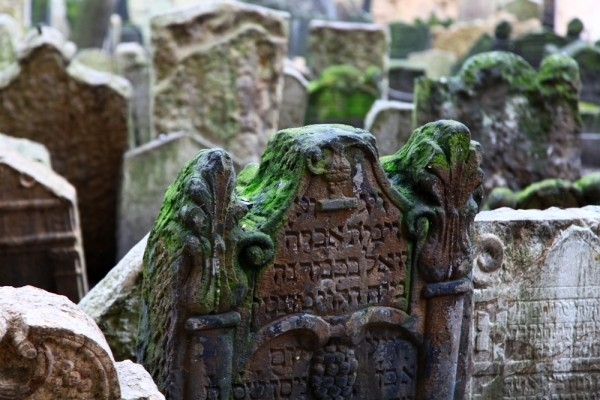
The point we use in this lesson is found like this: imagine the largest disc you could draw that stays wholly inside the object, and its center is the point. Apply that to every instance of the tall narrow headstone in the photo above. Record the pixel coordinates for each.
(361, 45)
(81, 116)
(321, 274)
(535, 319)
(218, 70)
(391, 124)
(40, 243)
(527, 121)
(294, 99)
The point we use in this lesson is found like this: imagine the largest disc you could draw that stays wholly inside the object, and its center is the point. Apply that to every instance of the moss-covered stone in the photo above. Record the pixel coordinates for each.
(527, 121)
(500, 197)
(589, 185)
(549, 193)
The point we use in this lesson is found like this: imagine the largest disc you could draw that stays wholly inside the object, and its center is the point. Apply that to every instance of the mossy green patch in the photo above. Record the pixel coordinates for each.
(549, 193)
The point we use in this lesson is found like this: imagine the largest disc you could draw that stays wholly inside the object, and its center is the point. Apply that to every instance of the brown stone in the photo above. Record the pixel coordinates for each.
(80, 115)
(40, 236)
(51, 350)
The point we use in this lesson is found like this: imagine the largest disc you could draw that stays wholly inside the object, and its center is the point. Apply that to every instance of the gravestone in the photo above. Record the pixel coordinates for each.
(535, 318)
(16, 9)
(51, 350)
(218, 70)
(133, 63)
(40, 243)
(402, 75)
(391, 124)
(523, 9)
(527, 122)
(96, 59)
(588, 59)
(27, 148)
(361, 45)
(9, 32)
(81, 117)
(319, 274)
(532, 47)
(294, 99)
(435, 62)
(147, 172)
(408, 38)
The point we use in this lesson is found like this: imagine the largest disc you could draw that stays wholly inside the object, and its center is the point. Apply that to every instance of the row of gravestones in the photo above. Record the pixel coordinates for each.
(216, 83)
(306, 256)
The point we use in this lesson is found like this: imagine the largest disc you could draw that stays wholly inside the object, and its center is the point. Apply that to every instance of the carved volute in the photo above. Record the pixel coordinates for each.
(301, 282)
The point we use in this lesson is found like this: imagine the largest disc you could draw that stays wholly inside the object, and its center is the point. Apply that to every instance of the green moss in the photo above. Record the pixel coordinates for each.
(559, 76)
(479, 69)
(500, 197)
(549, 193)
(589, 185)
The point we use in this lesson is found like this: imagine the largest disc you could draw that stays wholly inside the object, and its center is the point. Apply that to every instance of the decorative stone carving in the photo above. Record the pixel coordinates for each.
(321, 273)
(40, 235)
(219, 74)
(81, 116)
(51, 350)
(536, 327)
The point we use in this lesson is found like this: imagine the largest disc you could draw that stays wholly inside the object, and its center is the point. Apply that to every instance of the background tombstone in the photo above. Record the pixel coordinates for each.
(147, 172)
(16, 9)
(57, 350)
(588, 59)
(9, 33)
(294, 99)
(523, 9)
(527, 122)
(227, 91)
(535, 319)
(391, 123)
(435, 62)
(408, 38)
(532, 47)
(307, 259)
(81, 117)
(133, 63)
(40, 243)
(402, 76)
(361, 45)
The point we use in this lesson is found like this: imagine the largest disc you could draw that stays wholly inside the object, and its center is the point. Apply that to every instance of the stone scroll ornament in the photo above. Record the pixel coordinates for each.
(321, 273)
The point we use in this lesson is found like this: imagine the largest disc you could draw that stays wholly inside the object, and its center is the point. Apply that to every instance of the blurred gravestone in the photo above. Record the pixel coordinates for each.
(535, 304)
(16, 9)
(294, 99)
(532, 47)
(41, 239)
(134, 65)
(527, 122)
(402, 75)
(9, 34)
(391, 124)
(435, 62)
(218, 69)
(588, 59)
(308, 258)
(81, 116)
(408, 38)
(523, 9)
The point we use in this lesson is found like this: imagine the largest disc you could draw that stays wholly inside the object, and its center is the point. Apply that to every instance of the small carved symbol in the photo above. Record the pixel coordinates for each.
(491, 253)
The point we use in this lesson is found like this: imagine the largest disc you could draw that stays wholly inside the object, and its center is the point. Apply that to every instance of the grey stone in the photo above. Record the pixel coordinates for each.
(535, 328)
(40, 243)
(391, 123)
(114, 303)
(136, 382)
(294, 100)
(219, 74)
(51, 349)
(28, 148)
(81, 116)
(590, 150)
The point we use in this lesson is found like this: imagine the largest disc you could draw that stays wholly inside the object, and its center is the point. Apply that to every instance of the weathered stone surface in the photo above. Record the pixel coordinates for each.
(114, 303)
(136, 382)
(219, 74)
(360, 45)
(527, 122)
(28, 148)
(535, 324)
(9, 34)
(391, 123)
(80, 115)
(97, 59)
(147, 173)
(590, 143)
(51, 350)
(294, 99)
(40, 238)
(16, 9)
(320, 273)
(133, 63)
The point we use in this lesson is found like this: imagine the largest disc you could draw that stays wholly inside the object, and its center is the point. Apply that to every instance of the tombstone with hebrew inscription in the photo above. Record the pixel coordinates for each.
(322, 272)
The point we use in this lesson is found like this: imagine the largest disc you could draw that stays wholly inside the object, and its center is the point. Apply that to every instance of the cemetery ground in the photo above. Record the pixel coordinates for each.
(195, 215)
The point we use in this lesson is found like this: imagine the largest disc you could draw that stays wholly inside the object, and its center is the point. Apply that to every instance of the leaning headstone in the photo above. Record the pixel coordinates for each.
(51, 350)
(532, 47)
(321, 275)
(294, 99)
(408, 38)
(28, 148)
(81, 116)
(218, 70)
(535, 318)
(133, 63)
(391, 124)
(114, 303)
(360, 45)
(527, 122)
(40, 243)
